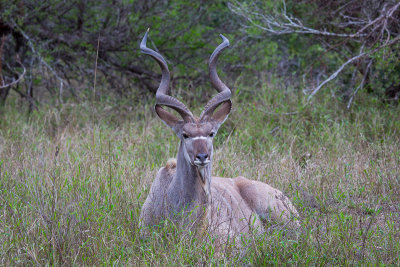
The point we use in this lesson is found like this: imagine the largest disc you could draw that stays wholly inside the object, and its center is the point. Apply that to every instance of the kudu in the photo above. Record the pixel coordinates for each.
(184, 189)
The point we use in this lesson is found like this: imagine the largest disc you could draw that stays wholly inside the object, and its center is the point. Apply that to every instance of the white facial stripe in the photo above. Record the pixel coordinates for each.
(199, 137)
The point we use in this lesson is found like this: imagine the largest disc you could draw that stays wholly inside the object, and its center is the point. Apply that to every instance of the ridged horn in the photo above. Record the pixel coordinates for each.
(162, 98)
(224, 93)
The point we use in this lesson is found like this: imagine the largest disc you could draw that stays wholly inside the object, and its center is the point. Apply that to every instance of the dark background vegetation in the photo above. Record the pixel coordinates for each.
(316, 88)
(300, 42)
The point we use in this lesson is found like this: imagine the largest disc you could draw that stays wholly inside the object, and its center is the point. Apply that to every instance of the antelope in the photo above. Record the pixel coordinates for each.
(185, 186)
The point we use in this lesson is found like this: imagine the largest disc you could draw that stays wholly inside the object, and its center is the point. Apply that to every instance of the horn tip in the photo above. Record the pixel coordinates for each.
(225, 40)
(144, 40)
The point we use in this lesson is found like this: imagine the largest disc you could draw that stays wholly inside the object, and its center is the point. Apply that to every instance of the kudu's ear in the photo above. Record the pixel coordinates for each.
(222, 112)
(170, 119)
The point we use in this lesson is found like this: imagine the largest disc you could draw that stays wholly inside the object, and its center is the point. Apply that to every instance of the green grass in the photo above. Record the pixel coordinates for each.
(73, 179)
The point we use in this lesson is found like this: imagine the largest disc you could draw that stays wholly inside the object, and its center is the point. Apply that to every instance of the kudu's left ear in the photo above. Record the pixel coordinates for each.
(222, 112)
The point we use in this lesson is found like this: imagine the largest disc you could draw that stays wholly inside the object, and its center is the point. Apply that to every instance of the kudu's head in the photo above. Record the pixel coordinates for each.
(196, 134)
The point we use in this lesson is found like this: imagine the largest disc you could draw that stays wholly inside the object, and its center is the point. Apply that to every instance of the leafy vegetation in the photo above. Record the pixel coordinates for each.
(304, 43)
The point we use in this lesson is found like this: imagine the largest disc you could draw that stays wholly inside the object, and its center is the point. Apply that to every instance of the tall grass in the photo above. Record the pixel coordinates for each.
(72, 181)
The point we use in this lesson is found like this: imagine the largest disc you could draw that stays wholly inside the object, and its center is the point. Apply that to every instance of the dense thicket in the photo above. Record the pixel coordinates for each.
(49, 48)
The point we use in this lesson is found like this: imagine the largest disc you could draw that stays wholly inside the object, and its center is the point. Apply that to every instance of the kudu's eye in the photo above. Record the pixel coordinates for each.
(185, 136)
(211, 134)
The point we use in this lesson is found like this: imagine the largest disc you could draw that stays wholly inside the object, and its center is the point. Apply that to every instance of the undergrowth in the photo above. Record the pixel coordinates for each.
(73, 179)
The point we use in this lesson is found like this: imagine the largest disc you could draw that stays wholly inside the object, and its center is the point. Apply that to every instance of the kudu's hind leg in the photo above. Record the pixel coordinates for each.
(268, 202)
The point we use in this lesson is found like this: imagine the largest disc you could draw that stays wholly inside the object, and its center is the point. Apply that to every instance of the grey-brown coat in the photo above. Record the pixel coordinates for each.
(185, 192)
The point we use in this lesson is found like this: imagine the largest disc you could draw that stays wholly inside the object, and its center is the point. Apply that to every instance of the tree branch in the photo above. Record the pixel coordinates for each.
(41, 60)
(17, 80)
(360, 55)
(361, 85)
(275, 25)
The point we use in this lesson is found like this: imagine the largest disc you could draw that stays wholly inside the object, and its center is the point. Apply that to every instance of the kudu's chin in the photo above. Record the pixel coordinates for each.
(202, 171)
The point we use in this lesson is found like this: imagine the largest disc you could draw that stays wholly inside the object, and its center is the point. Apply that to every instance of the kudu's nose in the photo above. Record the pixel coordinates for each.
(202, 157)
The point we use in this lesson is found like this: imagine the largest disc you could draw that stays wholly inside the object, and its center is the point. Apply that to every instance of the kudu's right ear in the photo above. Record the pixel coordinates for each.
(222, 112)
(168, 118)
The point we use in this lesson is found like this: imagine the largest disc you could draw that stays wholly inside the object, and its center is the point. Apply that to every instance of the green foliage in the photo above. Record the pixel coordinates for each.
(65, 35)
(386, 69)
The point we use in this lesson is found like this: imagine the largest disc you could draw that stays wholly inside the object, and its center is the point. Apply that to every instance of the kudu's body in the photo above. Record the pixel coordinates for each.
(185, 191)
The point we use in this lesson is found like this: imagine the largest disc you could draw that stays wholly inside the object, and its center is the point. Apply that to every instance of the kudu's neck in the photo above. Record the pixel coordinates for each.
(191, 185)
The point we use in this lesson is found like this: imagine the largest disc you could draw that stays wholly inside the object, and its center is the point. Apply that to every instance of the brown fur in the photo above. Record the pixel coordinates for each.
(185, 192)
(171, 165)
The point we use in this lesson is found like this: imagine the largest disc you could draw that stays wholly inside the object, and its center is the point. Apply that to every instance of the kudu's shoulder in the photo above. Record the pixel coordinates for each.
(171, 165)
(168, 171)
(165, 174)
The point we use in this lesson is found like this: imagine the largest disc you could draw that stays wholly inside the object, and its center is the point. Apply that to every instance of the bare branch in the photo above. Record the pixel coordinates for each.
(3, 40)
(333, 76)
(283, 23)
(361, 85)
(280, 24)
(373, 32)
(360, 55)
(17, 80)
(41, 60)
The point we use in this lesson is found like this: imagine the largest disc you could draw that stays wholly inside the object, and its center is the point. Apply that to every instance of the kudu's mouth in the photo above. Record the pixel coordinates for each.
(201, 164)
